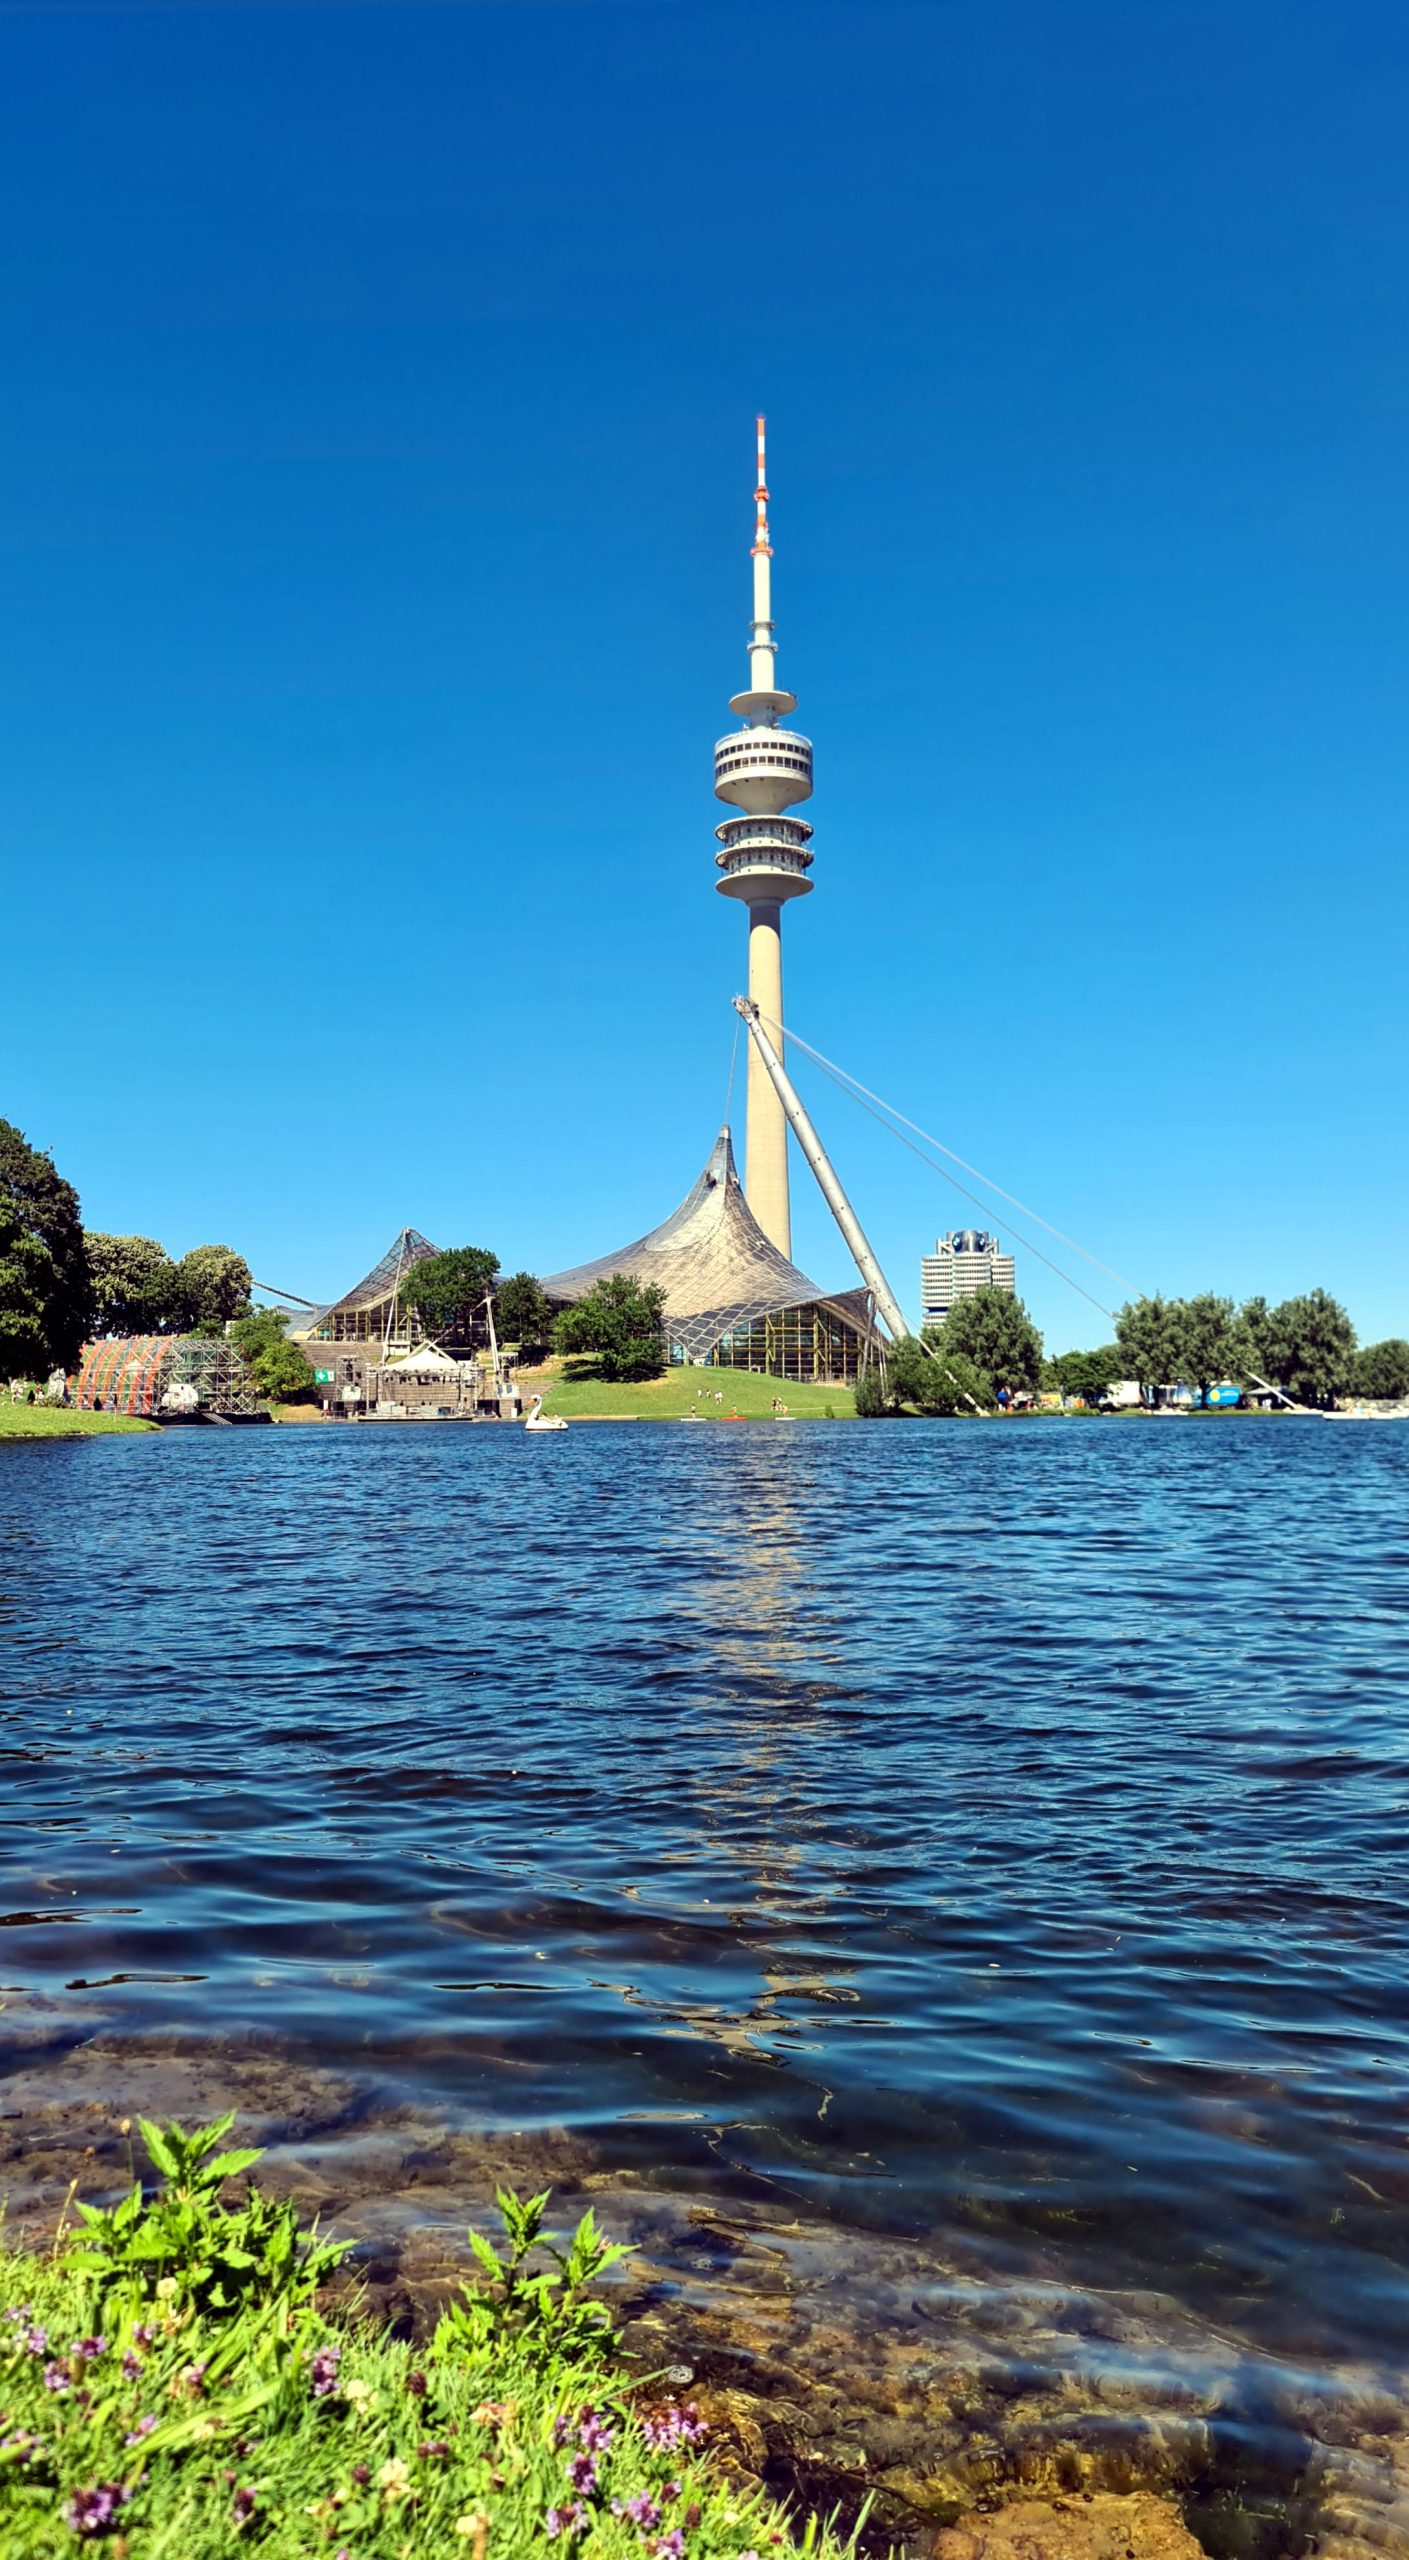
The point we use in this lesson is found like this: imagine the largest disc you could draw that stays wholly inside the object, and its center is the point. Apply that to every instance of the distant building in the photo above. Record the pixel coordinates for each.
(960, 1263)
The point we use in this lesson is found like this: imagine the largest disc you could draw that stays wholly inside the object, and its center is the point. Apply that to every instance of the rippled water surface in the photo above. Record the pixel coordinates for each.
(982, 1849)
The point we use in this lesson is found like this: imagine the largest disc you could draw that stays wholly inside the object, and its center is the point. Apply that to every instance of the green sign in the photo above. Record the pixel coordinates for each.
(322, 1377)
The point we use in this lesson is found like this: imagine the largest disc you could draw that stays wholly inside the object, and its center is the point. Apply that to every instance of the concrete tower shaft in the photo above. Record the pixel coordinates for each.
(764, 858)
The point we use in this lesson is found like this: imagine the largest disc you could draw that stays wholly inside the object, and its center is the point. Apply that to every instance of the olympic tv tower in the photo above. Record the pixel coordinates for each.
(763, 858)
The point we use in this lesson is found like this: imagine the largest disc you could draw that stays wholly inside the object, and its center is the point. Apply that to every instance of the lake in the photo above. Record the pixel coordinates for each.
(941, 1887)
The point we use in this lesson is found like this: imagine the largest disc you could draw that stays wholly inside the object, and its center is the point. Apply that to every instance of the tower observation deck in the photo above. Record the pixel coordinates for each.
(760, 771)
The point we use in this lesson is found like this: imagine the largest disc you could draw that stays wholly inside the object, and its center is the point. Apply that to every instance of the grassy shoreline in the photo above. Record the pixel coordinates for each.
(63, 1422)
(175, 2385)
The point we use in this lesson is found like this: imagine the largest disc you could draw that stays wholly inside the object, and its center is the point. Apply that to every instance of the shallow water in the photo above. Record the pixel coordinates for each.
(975, 1855)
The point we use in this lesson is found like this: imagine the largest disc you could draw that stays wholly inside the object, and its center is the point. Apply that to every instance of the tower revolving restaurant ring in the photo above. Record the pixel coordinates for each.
(763, 770)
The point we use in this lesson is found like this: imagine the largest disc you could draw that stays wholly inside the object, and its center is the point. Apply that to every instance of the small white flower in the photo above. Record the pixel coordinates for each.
(360, 2393)
(394, 2476)
(167, 2288)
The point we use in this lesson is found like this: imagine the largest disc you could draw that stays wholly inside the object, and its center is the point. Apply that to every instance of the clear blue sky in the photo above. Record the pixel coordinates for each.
(375, 465)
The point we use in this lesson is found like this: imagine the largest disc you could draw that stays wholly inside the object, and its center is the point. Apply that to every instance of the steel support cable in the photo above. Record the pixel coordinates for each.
(855, 1086)
(733, 1062)
(848, 1084)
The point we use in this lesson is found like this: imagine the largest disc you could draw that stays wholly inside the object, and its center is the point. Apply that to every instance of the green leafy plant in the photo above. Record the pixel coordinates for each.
(545, 2308)
(221, 2257)
(177, 2427)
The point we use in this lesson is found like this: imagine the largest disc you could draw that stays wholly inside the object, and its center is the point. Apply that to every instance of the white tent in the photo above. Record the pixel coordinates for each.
(428, 1362)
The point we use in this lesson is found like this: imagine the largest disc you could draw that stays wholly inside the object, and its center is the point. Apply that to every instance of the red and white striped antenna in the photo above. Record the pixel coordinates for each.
(760, 538)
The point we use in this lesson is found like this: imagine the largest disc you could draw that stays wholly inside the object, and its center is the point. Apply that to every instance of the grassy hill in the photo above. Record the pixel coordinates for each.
(681, 1392)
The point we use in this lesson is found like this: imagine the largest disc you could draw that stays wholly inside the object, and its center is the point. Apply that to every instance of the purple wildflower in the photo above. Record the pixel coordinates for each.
(89, 2349)
(582, 2474)
(193, 2375)
(24, 2446)
(242, 2506)
(672, 2489)
(562, 2429)
(566, 2520)
(593, 2433)
(642, 2509)
(416, 2385)
(131, 2365)
(669, 2546)
(37, 2341)
(361, 2474)
(436, 2451)
(92, 2510)
(144, 2334)
(57, 2377)
(663, 2429)
(323, 2372)
(143, 2427)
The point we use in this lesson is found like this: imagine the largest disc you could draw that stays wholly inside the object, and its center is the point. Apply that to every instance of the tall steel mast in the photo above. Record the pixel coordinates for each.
(887, 1305)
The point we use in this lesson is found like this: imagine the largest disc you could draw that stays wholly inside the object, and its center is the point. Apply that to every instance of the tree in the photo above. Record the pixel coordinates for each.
(134, 1284)
(44, 1280)
(447, 1285)
(622, 1323)
(1209, 1340)
(212, 1284)
(1087, 1374)
(995, 1331)
(1253, 1327)
(871, 1399)
(521, 1312)
(1149, 1336)
(1306, 1346)
(935, 1380)
(1382, 1369)
(278, 1367)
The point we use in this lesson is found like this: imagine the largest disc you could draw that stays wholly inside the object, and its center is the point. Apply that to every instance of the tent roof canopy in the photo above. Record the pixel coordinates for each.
(718, 1269)
(407, 1248)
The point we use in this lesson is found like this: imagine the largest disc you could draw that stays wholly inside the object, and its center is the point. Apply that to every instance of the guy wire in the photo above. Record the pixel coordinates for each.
(733, 1062)
(871, 1103)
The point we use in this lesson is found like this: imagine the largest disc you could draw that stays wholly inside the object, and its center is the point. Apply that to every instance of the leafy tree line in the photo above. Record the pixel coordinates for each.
(136, 1287)
(989, 1348)
(1305, 1346)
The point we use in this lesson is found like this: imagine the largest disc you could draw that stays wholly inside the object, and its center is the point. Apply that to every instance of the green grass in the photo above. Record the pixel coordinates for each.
(174, 2388)
(62, 1422)
(670, 1398)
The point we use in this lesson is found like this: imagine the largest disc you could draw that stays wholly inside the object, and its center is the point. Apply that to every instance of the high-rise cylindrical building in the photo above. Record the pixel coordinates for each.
(764, 858)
